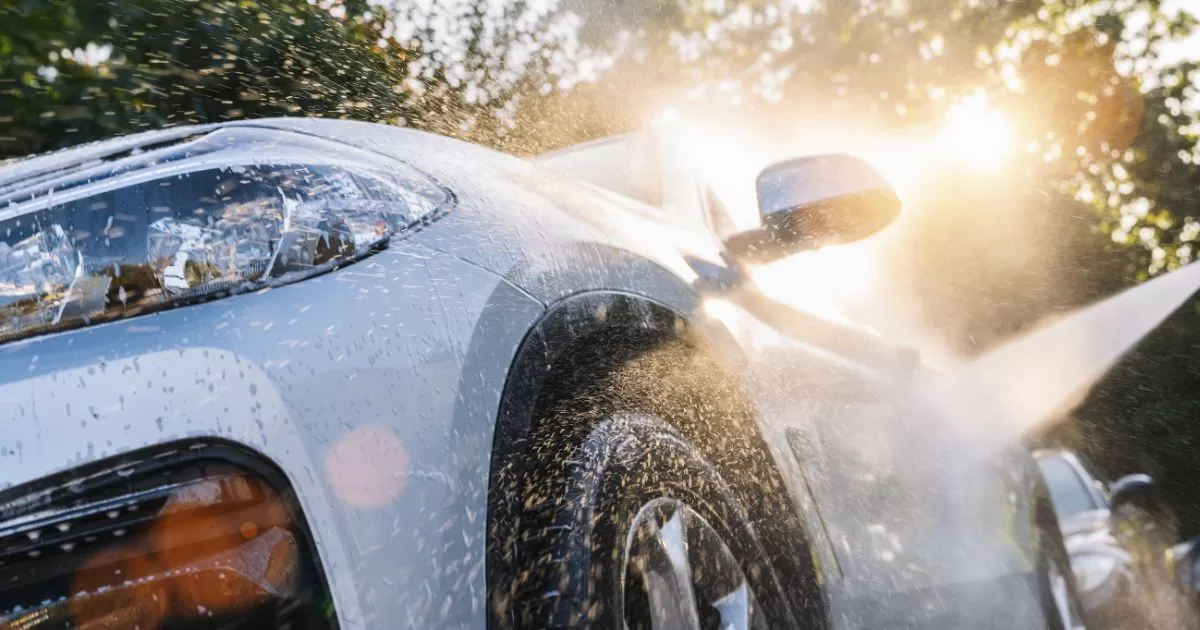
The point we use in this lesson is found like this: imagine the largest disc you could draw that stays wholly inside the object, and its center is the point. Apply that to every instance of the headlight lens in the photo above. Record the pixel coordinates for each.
(232, 210)
(1092, 570)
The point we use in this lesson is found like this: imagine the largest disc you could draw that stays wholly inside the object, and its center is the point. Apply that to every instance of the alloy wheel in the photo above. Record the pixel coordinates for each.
(681, 575)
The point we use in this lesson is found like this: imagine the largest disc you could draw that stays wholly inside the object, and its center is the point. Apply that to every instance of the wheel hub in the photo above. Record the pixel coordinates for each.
(680, 574)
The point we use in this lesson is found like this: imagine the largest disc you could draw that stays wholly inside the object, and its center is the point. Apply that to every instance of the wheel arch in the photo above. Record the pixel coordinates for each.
(594, 336)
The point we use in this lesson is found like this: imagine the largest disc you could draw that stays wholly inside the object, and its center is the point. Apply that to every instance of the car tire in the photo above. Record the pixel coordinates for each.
(1061, 605)
(624, 524)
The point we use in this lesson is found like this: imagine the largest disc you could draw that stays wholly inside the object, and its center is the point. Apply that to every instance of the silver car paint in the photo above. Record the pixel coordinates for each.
(409, 344)
(416, 342)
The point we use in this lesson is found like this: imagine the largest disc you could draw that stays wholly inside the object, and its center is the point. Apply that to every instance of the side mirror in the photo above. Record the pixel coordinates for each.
(810, 202)
(1134, 490)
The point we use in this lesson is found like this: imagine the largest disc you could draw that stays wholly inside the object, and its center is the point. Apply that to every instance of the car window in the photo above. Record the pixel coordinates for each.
(630, 165)
(1096, 477)
(1067, 490)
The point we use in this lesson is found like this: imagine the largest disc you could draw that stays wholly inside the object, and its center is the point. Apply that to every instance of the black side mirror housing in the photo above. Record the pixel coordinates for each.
(1136, 490)
(807, 203)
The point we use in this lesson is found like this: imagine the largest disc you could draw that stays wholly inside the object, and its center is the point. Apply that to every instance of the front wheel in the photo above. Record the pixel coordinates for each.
(629, 526)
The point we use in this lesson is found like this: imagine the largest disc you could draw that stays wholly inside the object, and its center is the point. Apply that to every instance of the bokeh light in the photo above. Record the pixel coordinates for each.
(367, 467)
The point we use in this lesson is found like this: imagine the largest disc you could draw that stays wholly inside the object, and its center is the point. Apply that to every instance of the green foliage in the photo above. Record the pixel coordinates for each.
(82, 70)
(78, 70)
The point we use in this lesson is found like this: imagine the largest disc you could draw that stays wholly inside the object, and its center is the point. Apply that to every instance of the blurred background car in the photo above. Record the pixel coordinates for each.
(1185, 558)
(1120, 540)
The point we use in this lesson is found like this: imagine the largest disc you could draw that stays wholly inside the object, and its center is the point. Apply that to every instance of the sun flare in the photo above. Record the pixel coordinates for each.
(975, 135)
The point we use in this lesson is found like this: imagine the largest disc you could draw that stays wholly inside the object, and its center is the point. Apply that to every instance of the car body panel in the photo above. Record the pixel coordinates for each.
(402, 356)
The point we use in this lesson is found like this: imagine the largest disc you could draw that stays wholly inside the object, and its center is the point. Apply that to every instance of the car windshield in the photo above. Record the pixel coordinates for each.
(630, 165)
(1067, 490)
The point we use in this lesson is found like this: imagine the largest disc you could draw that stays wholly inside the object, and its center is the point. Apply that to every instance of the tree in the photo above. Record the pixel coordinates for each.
(480, 62)
(78, 70)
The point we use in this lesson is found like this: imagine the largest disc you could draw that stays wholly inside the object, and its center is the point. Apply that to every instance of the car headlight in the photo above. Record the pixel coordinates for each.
(1092, 570)
(220, 212)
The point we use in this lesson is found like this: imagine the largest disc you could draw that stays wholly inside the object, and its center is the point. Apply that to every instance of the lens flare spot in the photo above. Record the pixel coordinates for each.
(367, 467)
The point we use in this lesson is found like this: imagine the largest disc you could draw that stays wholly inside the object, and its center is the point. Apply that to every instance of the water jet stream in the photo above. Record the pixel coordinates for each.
(1032, 379)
